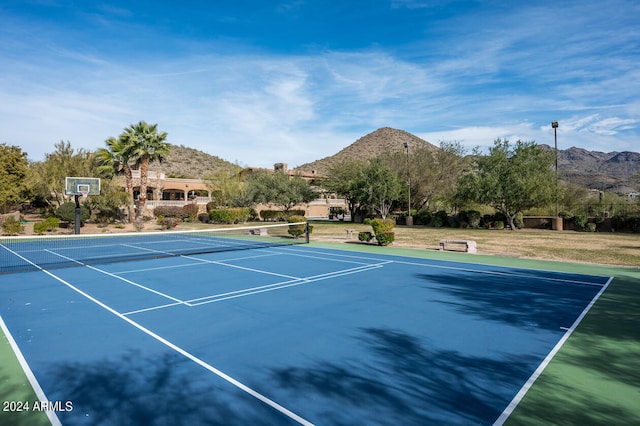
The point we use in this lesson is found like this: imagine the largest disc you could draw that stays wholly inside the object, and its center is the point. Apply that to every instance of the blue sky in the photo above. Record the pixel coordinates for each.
(259, 82)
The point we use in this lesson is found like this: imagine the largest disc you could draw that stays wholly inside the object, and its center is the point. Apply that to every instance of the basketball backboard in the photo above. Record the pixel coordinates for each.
(82, 186)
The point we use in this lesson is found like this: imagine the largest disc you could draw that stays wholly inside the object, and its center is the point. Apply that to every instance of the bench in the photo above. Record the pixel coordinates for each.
(470, 246)
(258, 231)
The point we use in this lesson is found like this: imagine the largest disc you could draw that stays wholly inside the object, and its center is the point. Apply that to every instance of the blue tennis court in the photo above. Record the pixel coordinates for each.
(288, 335)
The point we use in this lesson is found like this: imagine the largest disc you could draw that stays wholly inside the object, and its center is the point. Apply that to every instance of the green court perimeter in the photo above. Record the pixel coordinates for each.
(593, 379)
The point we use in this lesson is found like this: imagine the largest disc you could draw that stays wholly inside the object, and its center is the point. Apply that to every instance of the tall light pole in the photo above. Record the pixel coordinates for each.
(554, 124)
(409, 217)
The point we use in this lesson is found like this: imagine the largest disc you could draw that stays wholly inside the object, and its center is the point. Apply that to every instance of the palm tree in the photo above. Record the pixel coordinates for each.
(116, 161)
(146, 145)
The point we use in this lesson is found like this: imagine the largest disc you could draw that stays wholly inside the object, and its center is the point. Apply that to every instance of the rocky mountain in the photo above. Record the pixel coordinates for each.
(381, 141)
(610, 171)
(189, 163)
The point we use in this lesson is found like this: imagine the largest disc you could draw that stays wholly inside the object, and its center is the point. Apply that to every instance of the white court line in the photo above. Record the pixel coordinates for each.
(457, 268)
(325, 258)
(198, 263)
(177, 349)
(153, 308)
(120, 278)
(277, 286)
(525, 388)
(244, 268)
(222, 263)
(42, 397)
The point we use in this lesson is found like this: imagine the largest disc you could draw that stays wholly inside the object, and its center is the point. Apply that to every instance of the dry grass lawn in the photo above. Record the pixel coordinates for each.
(569, 246)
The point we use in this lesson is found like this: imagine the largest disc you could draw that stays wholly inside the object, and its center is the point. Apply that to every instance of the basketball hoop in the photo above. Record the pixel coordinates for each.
(81, 187)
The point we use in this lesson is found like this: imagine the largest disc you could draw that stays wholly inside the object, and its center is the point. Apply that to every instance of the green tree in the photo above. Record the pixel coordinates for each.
(434, 171)
(343, 181)
(228, 189)
(46, 179)
(13, 172)
(511, 179)
(145, 145)
(264, 187)
(378, 187)
(115, 160)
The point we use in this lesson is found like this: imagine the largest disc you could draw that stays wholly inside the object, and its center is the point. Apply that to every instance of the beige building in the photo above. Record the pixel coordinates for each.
(164, 191)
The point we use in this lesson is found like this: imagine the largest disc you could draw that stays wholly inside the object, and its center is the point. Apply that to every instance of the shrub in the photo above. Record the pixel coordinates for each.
(591, 227)
(167, 222)
(296, 230)
(47, 225)
(498, 224)
(626, 223)
(106, 215)
(518, 221)
(441, 218)
(487, 220)
(67, 212)
(169, 211)
(385, 238)
(272, 215)
(365, 236)
(190, 212)
(229, 216)
(423, 217)
(203, 217)
(580, 221)
(382, 228)
(11, 226)
(474, 217)
(382, 225)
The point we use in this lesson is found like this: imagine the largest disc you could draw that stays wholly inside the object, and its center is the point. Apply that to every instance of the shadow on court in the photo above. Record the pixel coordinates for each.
(163, 391)
(595, 379)
(398, 380)
(514, 300)
(14, 392)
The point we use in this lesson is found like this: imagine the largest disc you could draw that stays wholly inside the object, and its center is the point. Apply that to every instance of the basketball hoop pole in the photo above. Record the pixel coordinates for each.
(77, 221)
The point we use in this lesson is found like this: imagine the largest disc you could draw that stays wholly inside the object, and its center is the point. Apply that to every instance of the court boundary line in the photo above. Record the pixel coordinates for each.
(179, 350)
(150, 290)
(188, 355)
(545, 362)
(466, 269)
(192, 303)
(35, 385)
(285, 284)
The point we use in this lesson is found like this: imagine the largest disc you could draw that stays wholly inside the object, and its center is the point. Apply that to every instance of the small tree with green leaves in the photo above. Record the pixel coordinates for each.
(377, 187)
(279, 188)
(383, 230)
(511, 179)
(13, 171)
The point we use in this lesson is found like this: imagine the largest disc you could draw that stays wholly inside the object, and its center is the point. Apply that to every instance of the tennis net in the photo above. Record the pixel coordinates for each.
(20, 254)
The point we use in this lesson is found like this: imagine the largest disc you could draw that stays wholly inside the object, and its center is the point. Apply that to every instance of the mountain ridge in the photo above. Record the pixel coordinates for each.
(617, 171)
(369, 146)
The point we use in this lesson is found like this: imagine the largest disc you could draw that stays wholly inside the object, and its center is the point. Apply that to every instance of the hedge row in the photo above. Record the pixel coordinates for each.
(279, 215)
(229, 216)
(188, 212)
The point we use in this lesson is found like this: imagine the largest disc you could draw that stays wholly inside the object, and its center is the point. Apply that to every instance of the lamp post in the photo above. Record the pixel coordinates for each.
(554, 125)
(409, 217)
